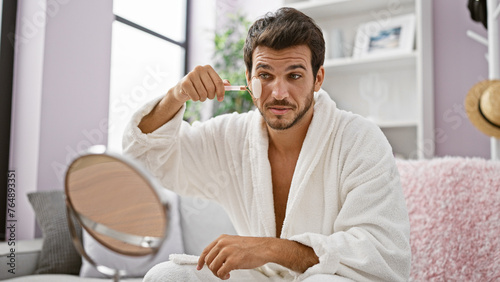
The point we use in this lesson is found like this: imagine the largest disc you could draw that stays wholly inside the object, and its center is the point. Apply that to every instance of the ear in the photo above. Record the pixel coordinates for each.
(320, 76)
(246, 77)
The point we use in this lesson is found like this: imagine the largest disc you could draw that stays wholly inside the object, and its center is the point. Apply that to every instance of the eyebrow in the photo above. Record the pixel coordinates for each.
(263, 66)
(289, 68)
(297, 66)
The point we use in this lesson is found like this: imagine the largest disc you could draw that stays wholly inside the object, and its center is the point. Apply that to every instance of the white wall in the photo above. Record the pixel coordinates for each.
(257, 8)
(201, 40)
(61, 91)
(202, 32)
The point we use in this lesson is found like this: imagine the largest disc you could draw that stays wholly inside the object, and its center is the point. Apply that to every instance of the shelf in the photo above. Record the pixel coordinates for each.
(395, 124)
(328, 8)
(370, 63)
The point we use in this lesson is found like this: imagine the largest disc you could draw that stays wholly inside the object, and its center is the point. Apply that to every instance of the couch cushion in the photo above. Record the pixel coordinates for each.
(22, 261)
(454, 208)
(58, 253)
(64, 278)
(202, 221)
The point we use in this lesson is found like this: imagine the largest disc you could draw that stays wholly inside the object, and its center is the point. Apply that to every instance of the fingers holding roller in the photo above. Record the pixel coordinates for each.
(200, 84)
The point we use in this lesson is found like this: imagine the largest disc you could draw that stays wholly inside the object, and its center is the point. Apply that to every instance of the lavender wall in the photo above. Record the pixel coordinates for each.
(459, 63)
(75, 97)
(61, 93)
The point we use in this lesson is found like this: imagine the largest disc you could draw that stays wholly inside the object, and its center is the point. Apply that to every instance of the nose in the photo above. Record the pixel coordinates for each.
(279, 90)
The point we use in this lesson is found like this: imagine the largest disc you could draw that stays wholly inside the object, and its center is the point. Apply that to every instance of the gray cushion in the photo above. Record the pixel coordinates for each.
(58, 253)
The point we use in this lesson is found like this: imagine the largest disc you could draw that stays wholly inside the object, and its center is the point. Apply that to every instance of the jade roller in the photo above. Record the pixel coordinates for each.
(256, 86)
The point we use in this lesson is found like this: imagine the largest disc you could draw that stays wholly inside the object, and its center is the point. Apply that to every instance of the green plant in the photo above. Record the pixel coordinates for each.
(229, 64)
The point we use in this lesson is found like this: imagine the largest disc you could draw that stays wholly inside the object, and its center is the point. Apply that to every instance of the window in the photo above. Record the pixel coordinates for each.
(148, 56)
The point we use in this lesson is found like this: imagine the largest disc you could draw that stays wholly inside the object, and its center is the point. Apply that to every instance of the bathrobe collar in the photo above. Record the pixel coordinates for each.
(317, 137)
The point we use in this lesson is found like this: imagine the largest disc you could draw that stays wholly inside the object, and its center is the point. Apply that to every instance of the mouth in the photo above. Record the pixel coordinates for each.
(279, 110)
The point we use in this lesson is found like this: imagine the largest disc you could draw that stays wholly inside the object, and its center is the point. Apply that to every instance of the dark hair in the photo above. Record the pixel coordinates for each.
(285, 28)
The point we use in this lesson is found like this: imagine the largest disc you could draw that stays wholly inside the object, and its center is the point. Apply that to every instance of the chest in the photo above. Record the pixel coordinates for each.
(282, 173)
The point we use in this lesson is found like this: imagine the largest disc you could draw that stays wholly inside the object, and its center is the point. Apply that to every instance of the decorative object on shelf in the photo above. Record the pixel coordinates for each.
(336, 43)
(374, 90)
(389, 37)
(482, 105)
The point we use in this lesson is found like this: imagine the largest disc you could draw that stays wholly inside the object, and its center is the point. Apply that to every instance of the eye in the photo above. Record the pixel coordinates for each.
(264, 75)
(295, 76)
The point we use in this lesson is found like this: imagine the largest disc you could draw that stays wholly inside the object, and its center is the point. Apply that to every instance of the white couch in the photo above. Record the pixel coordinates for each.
(201, 221)
(454, 208)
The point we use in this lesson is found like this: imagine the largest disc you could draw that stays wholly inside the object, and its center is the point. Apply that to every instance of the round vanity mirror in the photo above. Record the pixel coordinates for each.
(117, 202)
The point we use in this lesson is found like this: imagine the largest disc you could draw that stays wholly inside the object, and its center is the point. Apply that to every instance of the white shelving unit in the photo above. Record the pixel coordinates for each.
(406, 113)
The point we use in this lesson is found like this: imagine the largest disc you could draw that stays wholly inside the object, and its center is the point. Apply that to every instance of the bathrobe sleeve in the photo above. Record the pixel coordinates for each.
(370, 239)
(187, 159)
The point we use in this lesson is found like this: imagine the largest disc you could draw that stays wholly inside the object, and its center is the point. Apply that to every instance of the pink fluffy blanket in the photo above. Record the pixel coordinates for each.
(454, 208)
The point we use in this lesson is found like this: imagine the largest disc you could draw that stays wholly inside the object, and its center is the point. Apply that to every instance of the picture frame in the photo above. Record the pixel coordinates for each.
(393, 36)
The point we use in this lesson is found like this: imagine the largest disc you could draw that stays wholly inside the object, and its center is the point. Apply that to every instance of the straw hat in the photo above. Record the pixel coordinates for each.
(482, 105)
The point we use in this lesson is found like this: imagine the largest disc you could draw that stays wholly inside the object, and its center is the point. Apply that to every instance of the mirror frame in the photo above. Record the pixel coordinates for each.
(154, 243)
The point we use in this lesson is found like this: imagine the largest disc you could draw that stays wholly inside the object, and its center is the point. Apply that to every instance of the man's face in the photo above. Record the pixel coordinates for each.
(288, 84)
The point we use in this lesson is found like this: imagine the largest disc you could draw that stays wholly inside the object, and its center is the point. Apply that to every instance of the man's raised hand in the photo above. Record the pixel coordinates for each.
(200, 84)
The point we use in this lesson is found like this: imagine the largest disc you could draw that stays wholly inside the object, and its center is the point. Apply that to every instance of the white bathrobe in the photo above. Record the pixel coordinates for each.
(345, 199)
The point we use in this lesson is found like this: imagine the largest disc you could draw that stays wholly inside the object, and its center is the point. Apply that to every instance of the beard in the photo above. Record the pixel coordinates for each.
(280, 122)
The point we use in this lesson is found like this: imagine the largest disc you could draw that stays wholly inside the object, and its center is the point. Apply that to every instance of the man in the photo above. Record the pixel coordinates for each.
(313, 191)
